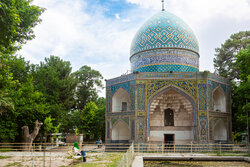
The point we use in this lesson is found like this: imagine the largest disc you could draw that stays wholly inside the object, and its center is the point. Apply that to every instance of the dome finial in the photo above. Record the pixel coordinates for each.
(162, 5)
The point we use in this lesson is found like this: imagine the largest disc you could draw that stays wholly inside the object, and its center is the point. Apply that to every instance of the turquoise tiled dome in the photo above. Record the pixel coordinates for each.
(164, 30)
(165, 42)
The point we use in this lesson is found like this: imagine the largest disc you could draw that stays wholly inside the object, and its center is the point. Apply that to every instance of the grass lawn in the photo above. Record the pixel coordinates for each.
(3, 157)
(101, 160)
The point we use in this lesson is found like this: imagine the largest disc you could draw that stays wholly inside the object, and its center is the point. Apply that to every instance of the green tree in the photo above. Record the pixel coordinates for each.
(87, 116)
(225, 59)
(88, 82)
(99, 130)
(6, 83)
(17, 20)
(54, 79)
(241, 90)
(48, 125)
(29, 104)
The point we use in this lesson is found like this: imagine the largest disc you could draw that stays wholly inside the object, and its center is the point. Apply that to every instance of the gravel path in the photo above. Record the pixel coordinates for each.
(50, 159)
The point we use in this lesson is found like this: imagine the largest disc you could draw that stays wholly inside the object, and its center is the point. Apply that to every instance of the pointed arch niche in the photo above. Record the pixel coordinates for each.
(219, 100)
(120, 100)
(171, 112)
(220, 131)
(120, 131)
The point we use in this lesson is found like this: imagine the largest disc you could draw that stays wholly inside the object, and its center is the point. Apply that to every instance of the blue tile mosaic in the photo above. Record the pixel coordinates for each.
(123, 78)
(108, 129)
(108, 99)
(132, 97)
(132, 130)
(202, 96)
(218, 78)
(153, 86)
(141, 96)
(159, 57)
(164, 30)
(123, 85)
(167, 68)
(215, 85)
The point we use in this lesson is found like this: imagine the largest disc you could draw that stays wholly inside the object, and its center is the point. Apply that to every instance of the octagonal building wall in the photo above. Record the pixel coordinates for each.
(195, 117)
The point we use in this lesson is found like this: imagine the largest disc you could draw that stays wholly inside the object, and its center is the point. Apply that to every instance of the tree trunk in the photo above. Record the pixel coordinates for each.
(29, 138)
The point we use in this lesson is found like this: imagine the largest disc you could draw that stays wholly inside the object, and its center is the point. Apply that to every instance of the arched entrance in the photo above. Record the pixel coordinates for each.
(219, 100)
(120, 132)
(120, 100)
(220, 132)
(171, 113)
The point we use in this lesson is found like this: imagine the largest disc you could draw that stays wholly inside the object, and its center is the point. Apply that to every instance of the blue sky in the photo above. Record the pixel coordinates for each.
(98, 33)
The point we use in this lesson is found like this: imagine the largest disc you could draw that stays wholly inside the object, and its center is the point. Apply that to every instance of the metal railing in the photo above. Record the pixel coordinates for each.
(48, 154)
(127, 158)
(123, 147)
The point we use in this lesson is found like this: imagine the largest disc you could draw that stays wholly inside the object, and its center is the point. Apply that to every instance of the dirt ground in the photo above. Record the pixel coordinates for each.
(53, 159)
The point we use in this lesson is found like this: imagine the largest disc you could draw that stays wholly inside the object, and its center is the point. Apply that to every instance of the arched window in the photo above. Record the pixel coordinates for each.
(120, 100)
(120, 131)
(169, 117)
(220, 131)
(219, 100)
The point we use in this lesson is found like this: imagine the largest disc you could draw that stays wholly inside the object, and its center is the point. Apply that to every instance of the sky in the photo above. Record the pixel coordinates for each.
(98, 33)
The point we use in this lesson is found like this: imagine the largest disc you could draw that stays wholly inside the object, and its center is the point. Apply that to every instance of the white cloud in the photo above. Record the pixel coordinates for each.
(117, 16)
(213, 21)
(69, 31)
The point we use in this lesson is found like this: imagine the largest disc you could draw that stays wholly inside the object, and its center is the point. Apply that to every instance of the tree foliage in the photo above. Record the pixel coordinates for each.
(54, 79)
(88, 81)
(17, 20)
(225, 57)
(28, 103)
(6, 83)
(232, 61)
(241, 96)
(48, 92)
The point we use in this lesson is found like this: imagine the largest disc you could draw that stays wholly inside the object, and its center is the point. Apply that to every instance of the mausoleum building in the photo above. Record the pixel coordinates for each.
(166, 98)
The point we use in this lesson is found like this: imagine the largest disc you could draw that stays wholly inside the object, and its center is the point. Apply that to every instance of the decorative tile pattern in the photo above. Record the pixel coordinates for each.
(123, 78)
(209, 97)
(141, 113)
(202, 113)
(218, 78)
(187, 86)
(123, 85)
(185, 94)
(158, 57)
(126, 120)
(167, 68)
(132, 97)
(108, 129)
(132, 130)
(167, 75)
(140, 97)
(202, 96)
(125, 113)
(162, 52)
(113, 121)
(228, 97)
(215, 85)
(211, 129)
(108, 98)
(141, 133)
(203, 130)
(164, 30)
